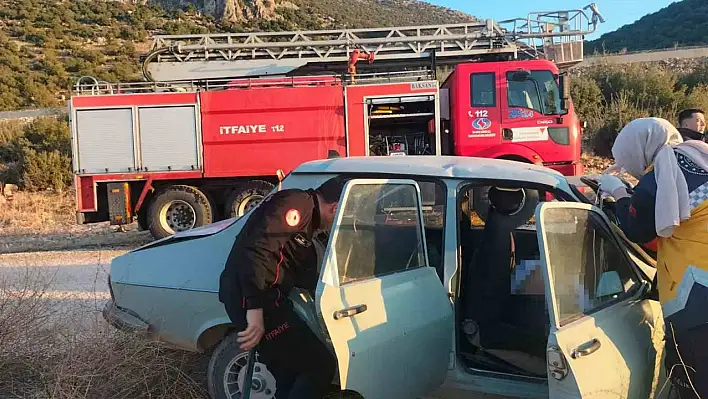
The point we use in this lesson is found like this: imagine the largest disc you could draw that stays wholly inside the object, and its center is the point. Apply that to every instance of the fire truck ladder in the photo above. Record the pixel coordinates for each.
(554, 35)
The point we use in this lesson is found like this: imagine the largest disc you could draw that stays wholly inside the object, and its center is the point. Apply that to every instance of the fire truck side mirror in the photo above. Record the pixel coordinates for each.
(564, 83)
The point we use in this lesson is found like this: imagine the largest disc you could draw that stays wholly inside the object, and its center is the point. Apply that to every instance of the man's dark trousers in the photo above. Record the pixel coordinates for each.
(303, 366)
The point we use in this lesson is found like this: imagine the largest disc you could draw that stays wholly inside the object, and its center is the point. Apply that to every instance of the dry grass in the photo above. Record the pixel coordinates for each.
(43, 354)
(38, 212)
(595, 164)
(47, 221)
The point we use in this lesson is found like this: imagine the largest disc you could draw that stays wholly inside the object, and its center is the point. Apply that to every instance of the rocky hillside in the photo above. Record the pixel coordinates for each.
(323, 13)
(45, 45)
(683, 23)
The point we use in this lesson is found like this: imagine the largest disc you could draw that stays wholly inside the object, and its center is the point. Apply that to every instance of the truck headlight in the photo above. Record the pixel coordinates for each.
(560, 135)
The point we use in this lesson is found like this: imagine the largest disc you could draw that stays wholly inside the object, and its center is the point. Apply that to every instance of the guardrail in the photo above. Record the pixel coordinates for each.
(648, 56)
(30, 113)
(89, 86)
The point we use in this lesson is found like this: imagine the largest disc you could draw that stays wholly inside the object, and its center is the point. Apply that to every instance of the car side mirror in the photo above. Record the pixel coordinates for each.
(610, 284)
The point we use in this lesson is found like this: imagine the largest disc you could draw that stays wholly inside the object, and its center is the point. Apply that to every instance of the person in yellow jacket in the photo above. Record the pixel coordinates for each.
(670, 204)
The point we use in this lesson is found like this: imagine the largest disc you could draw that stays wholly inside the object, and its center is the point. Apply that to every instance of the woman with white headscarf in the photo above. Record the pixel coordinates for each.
(670, 204)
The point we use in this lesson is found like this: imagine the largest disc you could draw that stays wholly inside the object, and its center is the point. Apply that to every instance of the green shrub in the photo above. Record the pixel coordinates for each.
(620, 111)
(9, 131)
(697, 97)
(608, 96)
(696, 77)
(46, 169)
(36, 155)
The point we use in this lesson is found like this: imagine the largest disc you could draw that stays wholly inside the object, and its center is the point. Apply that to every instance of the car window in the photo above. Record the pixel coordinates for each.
(380, 232)
(589, 271)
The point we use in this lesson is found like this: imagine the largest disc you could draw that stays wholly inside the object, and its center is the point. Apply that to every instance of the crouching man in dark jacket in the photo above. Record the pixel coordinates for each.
(272, 254)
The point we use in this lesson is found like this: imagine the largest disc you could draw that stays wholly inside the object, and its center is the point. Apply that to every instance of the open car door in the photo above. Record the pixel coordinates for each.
(385, 310)
(605, 333)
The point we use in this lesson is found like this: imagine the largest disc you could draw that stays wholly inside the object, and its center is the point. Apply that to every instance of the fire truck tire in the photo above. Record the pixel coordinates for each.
(246, 196)
(178, 208)
(143, 224)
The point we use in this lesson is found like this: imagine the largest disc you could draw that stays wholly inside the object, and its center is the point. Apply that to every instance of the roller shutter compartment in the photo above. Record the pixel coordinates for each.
(105, 140)
(169, 138)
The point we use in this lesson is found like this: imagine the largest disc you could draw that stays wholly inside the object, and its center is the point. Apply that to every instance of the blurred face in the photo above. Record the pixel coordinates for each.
(696, 122)
(327, 212)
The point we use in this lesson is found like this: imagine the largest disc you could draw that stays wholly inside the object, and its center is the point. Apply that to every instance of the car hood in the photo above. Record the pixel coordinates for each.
(190, 260)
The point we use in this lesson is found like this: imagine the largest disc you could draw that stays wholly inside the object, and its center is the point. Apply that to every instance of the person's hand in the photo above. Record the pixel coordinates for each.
(612, 185)
(252, 335)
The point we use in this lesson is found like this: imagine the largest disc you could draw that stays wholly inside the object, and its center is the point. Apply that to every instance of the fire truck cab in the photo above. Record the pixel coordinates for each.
(519, 110)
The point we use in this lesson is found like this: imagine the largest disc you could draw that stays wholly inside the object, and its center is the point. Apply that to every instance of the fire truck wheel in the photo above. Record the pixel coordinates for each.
(246, 196)
(178, 208)
(142, 221)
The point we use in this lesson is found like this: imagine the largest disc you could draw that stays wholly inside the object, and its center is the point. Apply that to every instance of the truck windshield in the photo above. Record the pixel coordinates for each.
(539, 93)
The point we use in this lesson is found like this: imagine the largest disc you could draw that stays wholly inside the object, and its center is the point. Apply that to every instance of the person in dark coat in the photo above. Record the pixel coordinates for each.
(273, 253)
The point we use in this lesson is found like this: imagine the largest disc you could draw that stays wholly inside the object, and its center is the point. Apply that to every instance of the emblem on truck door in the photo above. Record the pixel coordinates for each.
(481, 123)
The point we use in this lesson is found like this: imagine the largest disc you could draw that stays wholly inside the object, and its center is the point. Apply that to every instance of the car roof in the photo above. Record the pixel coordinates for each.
(436, 166)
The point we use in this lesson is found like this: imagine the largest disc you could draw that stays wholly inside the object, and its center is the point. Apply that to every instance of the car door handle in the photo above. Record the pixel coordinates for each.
(586, 348)
(349, 312)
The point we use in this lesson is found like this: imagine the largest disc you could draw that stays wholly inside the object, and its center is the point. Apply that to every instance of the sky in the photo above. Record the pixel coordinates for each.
(615, 12)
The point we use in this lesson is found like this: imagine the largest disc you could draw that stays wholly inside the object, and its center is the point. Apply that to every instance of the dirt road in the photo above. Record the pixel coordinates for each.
(74, 281)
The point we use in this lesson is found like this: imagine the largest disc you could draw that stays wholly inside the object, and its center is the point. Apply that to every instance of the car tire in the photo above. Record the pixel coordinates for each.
(228, 354)
(178, 208)
(245, 197)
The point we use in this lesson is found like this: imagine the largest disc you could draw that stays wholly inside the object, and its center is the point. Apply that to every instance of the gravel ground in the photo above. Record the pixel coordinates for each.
(74, 281)
(86, 237)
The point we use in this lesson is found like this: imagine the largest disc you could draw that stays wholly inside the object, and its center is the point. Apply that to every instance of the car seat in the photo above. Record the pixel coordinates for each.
(487, 288)
(489, 277)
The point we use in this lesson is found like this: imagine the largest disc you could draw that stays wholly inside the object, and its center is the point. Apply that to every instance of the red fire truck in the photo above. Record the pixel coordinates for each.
(222, 116)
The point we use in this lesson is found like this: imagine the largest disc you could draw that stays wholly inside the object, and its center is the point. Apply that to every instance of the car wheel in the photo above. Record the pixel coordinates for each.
(178, 208)
(227, 371)
(246, 197)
